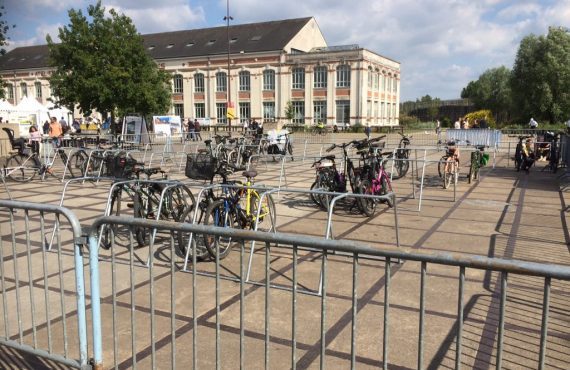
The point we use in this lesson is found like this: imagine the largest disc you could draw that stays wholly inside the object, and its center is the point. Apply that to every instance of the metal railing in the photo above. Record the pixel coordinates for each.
(294, 243)
(24, 226)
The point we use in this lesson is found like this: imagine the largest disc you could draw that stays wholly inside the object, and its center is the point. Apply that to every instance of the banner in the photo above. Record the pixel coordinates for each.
(167, 125)
(24, 122)
(133, 127)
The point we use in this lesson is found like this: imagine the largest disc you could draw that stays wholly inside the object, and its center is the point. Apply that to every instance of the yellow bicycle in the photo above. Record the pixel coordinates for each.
(238, 208)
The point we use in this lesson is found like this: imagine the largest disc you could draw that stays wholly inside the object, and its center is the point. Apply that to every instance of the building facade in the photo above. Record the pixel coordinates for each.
(273, 67)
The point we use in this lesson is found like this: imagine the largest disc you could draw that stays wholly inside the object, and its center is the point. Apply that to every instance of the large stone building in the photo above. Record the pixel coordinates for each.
(270, 65)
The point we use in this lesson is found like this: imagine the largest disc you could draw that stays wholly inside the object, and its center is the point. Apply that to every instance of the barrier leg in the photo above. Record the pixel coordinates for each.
(95, 303)
(422, 186)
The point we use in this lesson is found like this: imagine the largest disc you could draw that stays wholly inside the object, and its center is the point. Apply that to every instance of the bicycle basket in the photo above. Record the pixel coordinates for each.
(120, 166)
(200, 166)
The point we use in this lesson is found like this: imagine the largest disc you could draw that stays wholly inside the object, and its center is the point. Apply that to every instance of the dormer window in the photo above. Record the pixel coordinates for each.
(255, 38)
(211, 42)
(191, 43)
(169, 46)
(151, 47)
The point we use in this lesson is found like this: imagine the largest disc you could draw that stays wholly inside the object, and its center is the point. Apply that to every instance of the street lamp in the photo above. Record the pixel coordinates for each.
(229, 106)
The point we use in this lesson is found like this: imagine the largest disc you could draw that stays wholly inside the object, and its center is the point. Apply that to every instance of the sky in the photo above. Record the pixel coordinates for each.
(441, 44)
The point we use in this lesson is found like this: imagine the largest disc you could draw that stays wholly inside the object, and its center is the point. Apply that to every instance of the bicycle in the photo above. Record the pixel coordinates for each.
(478, 159)
(401, 162)
(448, 166)
(375, 181)
(519, 157)
(23, 165)
(239, 208)
(319, 129)
(148, 199)
(554, 155)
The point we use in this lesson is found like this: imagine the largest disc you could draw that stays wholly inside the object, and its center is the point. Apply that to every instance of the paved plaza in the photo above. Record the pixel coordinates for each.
(505, 215)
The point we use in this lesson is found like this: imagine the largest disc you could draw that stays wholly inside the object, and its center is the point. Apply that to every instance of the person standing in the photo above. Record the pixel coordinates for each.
(45, 127)
(35, 139)
(64, 125)
(55, 132)
(437, 126)
(367, 131)
(197, 130)
(457, 124)
(191, 130)
(532, 123)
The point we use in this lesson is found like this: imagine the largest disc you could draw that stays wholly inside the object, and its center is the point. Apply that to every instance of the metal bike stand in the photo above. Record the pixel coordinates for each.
(282, 174)
(3, 175)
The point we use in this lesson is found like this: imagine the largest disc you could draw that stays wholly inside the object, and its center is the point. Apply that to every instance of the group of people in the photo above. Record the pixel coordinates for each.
(463, 124)
(193, 129)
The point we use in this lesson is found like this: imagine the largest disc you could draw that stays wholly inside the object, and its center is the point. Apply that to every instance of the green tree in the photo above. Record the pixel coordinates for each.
(289, 112)
(492, 90)
(101, 64)
(541, 76)
(4, 28)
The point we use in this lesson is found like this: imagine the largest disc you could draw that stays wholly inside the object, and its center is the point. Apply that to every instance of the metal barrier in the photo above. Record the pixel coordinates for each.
(27, 225)
(171, 305)
(490, 138)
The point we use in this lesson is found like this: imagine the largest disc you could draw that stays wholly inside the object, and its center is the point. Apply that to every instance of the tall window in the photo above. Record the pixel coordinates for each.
(244, 81)
(343, 111)
(178, 84)
(298, 111)
(377, 77)
(24, 89)
(179, 110)
(343, 76)
(199, 82)
(38, 86)
(395, 85)
(375, 111)
(268, 111)
(269, 79)
(221, 82)
(320, 77)
(320, 111)
(382, 110)
(370, 78)
(200, 110)
(383, 82)
(369, 109)
(9, 91)
(298, 78)
(221, 112)
(244, 112)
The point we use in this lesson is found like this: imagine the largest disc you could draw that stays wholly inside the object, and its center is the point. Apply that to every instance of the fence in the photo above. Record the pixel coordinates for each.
(161, 316)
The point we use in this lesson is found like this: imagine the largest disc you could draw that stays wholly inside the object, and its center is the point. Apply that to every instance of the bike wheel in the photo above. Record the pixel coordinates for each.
(448, 174)
(22, 168)
(77, 164)
(441, 166)
(198, 242)
(386, 188)
(314, 131)
(109, 232)
(367, 205)
(142, 234)
(290, 150)
(267, 213)
(178, 200)
(221, 215)
(233, 157)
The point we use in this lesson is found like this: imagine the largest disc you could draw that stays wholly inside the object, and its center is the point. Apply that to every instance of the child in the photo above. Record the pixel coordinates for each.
(35, 139)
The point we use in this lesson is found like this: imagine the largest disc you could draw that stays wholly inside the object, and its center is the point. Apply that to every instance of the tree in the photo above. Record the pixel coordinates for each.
(101, 65)
(492, 90)
(541, 76)
(289, 111)
(4, 27)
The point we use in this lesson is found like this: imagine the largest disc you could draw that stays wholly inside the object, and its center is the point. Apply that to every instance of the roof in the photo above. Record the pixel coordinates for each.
(250, 38)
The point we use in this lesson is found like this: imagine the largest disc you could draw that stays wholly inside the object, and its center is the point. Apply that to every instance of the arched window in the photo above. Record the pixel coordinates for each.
(24, 89)
(244, 81)
(320, 78)
(298, 78)
(178, 84)
(9, 91)
(199, 82)
(269, 79)
(221, 82)
(38, 86)
(343, 76)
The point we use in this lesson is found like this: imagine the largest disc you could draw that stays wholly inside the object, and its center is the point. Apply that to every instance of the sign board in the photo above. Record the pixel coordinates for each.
(167, 125)
(230, 113)
(134, 130)
(24, 122)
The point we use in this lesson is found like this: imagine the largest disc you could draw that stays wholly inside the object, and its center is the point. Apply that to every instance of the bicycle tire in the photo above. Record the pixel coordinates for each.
(141, 233)
(27, 167)
(441, 166)
(385, 188)
(447, 175)
(473, 168)
(178, 199)
(366, 205)
(290, 150)
(77, 163)
(267, 215)
(109, 232)
(314, 132)
(198, 242)
(217, 215)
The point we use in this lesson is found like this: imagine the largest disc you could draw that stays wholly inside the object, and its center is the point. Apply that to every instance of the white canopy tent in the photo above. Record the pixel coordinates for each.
(58, 112)
(29, 112)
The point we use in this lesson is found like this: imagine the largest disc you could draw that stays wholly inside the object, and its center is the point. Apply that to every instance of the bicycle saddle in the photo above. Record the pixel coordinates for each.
(249, 174)
(329, 157)
(480, 147)
(207, 142)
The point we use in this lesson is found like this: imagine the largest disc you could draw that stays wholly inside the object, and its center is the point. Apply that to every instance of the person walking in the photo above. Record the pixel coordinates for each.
(532, 123)
(367, 131)
(55, 132)
(457, 124)
(197, 130)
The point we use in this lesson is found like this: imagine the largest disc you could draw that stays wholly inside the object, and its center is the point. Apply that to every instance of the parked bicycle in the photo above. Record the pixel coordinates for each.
(375, 180)
(478, 159)
(402, 156)
(319, 129)
(448, 166)
(519, 152)
(24, 164)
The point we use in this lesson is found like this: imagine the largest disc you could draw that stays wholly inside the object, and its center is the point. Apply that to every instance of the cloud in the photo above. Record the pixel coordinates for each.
(38, 38)
(176, 15)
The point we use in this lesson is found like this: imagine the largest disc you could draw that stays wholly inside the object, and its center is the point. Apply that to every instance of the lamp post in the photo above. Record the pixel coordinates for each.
(229, 113)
